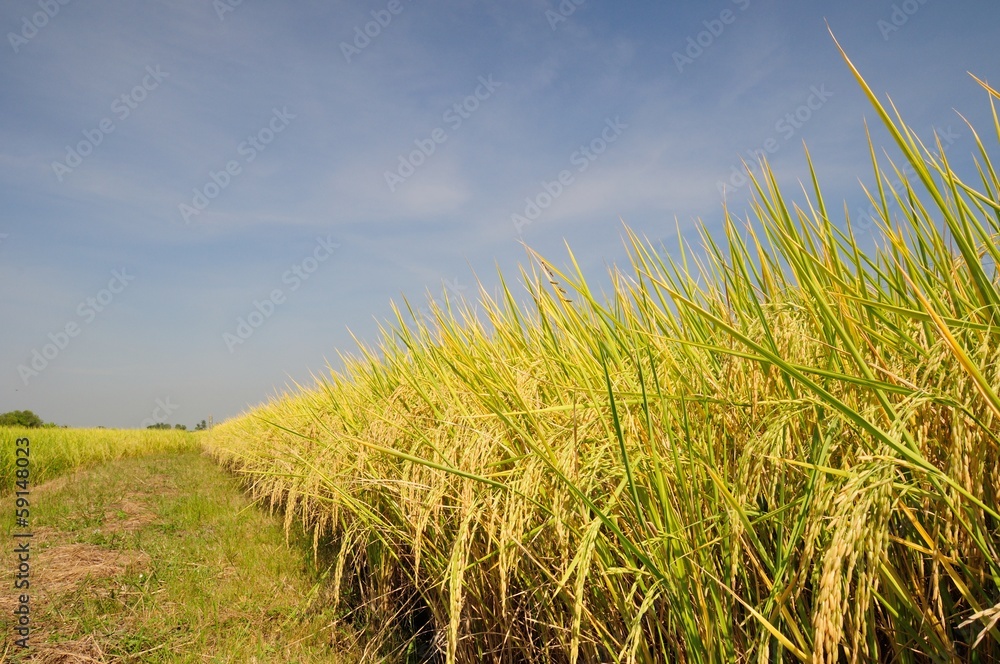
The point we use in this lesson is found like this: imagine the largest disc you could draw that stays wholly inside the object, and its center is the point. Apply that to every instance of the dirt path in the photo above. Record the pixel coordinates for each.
(163, 559)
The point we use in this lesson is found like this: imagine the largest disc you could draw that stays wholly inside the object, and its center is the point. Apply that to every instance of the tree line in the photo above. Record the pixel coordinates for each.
(28, 419)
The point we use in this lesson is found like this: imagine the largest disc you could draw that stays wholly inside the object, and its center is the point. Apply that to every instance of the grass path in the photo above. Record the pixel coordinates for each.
(163, 559)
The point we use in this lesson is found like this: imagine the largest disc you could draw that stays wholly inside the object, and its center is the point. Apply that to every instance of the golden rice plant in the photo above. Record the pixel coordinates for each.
(781, 448)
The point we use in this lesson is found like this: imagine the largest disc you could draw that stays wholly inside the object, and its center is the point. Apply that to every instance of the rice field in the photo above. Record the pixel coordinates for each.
(56, 451)
(781, 448)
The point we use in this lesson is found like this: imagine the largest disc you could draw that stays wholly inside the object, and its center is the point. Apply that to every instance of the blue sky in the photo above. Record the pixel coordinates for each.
(169, 169)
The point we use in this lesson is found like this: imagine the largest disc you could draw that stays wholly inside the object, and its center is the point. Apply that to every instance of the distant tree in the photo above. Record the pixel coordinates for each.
(159, 425)
(181, 427)
(21, 418)
(201, 426)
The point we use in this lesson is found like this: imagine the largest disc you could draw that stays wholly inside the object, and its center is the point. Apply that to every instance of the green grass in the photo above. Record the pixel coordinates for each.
(161, 558)
(782, 448)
